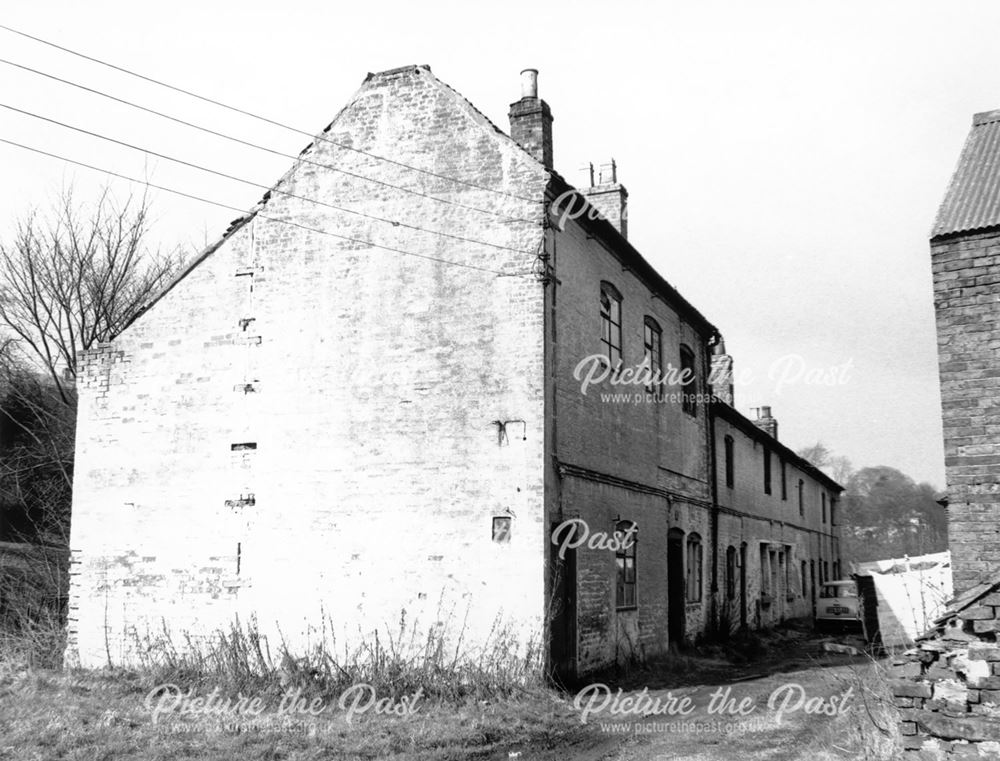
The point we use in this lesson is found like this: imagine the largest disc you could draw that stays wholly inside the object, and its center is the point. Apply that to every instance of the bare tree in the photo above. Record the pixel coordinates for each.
(76, 277)
(838, 467)
(69, 280)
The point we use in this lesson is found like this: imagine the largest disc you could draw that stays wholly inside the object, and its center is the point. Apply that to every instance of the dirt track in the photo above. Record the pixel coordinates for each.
(796, 703)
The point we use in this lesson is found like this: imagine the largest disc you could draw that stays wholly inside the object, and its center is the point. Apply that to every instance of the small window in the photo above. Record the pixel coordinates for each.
(823, 500)
(803, 583)
(501, 529)
(767, 470)
(784, 481)
(653, 353)
(611, 324)
(689, 382)
(730, 573)
(730, 466)
(694, 563)
(833, 511)
(802, 507)
(625, 566)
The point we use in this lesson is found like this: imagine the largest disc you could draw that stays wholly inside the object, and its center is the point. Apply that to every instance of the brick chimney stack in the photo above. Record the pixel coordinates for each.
(766, 422)
(531, 120)
(721, 376)
(609, 196)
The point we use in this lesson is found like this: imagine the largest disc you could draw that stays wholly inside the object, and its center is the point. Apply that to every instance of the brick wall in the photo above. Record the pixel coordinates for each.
(768, 521)
(966, 272)
(655, 452)
(370, 383)
(947, 689)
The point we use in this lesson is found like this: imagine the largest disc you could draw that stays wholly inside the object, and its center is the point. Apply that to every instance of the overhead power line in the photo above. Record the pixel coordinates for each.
(257, 146)
(258, 117)
(221, 205)
(202, 168)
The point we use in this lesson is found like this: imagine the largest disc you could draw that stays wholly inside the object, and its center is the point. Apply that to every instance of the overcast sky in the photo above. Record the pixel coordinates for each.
(784, 159)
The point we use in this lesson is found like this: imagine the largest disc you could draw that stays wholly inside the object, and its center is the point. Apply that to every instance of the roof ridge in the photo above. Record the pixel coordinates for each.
(972, 200)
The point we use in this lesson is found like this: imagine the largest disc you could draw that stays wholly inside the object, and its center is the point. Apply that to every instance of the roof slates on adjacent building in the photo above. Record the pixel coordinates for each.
(973, 198)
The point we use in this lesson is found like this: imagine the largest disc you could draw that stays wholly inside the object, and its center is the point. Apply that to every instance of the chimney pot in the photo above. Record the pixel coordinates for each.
(529, 83)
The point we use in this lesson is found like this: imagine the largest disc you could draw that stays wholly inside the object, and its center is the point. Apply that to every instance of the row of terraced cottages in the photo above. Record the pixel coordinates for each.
(366, 405)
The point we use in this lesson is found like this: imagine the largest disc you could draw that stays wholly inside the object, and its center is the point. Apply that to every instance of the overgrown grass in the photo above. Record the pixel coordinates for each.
(476, 702)
(872, 726)
(438, 663)
(32, 632)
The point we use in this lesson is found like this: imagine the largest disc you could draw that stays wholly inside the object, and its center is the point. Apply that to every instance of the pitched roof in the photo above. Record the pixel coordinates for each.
(605, 229)
(598, 226)
(972, 201)
(371, 80)
(736, 418)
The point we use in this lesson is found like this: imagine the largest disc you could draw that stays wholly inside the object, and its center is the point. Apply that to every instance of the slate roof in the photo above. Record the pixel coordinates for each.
(972, 201)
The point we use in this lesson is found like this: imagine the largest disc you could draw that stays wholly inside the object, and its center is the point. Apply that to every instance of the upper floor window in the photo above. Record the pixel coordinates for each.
(802, 507)
(653, 352)
(611, 324)
(833, 511)
(694, 563)
(689, 382)
(625, 562)
(823, 500)
(767, 470)
(784, 481)
(730, 467)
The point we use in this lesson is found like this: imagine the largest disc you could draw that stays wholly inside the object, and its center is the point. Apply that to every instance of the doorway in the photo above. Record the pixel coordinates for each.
(675, 587)
(562, 617)
(743, 585)
(812, 585)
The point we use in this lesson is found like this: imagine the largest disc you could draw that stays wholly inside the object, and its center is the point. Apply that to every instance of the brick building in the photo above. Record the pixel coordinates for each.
(947, 689)
(777, 530)
(368, 398)
(965, 255)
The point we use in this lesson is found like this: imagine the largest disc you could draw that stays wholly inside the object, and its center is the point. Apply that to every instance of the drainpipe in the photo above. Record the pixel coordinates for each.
(714, 515)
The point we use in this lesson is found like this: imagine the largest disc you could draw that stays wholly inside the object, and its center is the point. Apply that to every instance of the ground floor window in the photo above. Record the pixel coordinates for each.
(625, 565)
(694, 558)
(730, 573)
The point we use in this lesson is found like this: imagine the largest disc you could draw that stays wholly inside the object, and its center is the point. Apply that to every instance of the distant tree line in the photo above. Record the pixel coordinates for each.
(883, 513)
